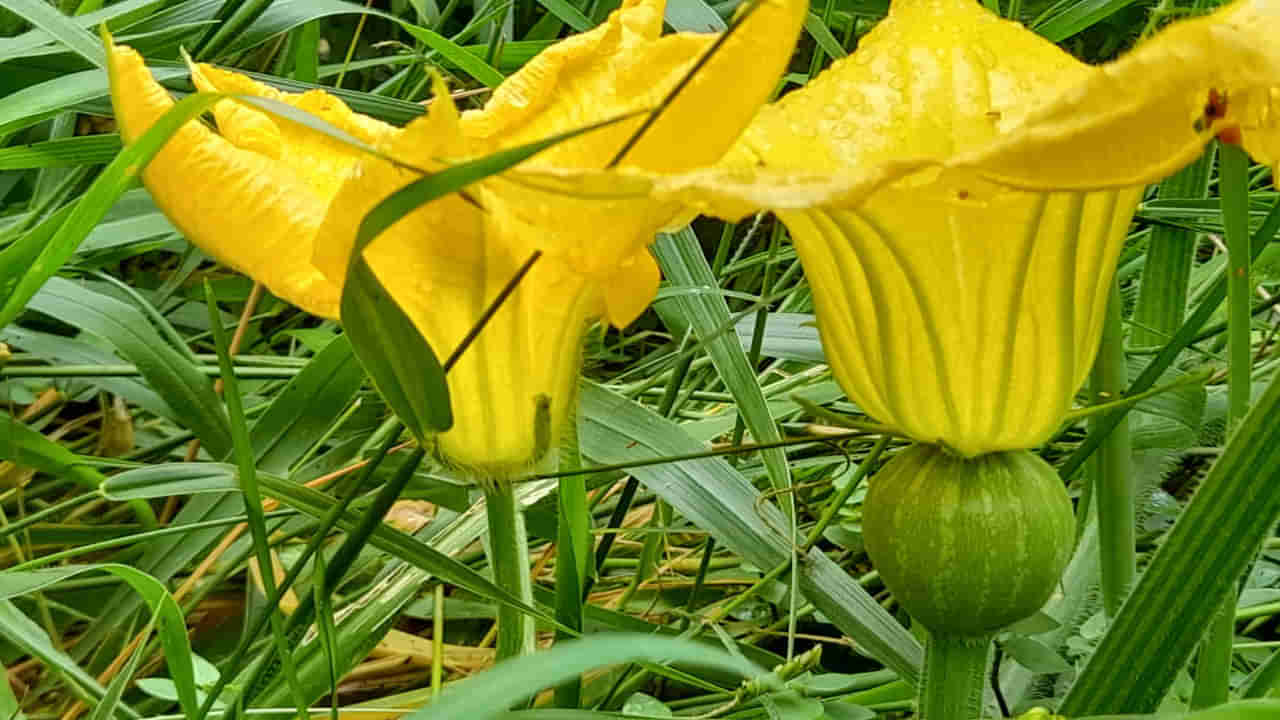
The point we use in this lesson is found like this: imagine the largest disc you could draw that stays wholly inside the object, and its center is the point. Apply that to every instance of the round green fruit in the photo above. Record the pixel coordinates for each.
(968, 545)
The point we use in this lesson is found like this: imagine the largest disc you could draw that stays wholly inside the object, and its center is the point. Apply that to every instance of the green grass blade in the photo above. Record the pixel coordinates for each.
(181, 385)
(29, 638)
(307, 407)
(95, 203)
(1162, 295)
(63, 152)
(719, 499)
(489, 694)
(684, 266)
(1209, 547)
(248, 476)
(46, 17)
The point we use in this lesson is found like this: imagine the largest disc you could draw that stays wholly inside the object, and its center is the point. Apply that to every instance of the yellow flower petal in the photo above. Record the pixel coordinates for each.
(631, 288)
(619, 67)
(622, 66)
(967, 321)
(1149, 113)
(952, 302)
(239, 206)
(935, 78)
(320, 160)
(444, 264)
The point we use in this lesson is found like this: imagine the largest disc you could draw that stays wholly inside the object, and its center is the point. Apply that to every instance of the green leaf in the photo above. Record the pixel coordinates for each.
(684, 265)
(159, 481)
(60, 27)
(1208, 549)
(61, 152)
(821, 34)
(171, 626)
(454, 53)
(488, 694)
(693, 16)
(29, 638)
(91, 208)
(401, 362)
(787, 335)
(719, 499)
(307, 407)
(1065, 20)
(170, 373)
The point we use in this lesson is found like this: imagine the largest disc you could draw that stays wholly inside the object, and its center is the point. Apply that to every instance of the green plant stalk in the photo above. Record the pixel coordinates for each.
(509, 555)
(1115, 488)
(1213, 672)
(573, 553)
(955, 674)
(1212, 544)
(1162, 297)
(252, 498)
(1234, 188)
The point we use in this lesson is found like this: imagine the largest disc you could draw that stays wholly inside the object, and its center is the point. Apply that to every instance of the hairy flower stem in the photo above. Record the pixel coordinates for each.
(509, 555)
(955, 674)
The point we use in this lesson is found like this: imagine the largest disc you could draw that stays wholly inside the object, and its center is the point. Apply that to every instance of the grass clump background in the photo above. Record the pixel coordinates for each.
(131, 585)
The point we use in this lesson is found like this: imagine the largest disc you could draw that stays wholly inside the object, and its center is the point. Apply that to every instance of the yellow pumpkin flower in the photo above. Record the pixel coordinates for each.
(959, 188)
(282, 202)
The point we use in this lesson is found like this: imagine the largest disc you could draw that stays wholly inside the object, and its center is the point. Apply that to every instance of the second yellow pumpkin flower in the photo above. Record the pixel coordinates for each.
(282, 202)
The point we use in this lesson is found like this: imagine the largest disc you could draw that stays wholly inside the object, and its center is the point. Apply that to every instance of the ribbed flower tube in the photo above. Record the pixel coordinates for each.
(964, 320)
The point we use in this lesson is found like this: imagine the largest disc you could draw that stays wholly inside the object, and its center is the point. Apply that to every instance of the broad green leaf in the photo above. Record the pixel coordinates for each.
(307, 407)
(684, 265)
(183, 387)
(168, 617)
(719, 499)
(92, 207)
(1208, 549)
(489, 694)
(60, 27)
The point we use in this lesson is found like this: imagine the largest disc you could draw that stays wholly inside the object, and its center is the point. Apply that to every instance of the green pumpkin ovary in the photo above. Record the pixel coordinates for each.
(968, 546)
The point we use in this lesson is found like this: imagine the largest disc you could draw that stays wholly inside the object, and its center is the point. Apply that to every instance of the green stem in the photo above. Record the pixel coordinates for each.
(1213, 673)
(1234, 187)
(955, 674)
(1115, 492)
(509, 554)
(573, 553)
